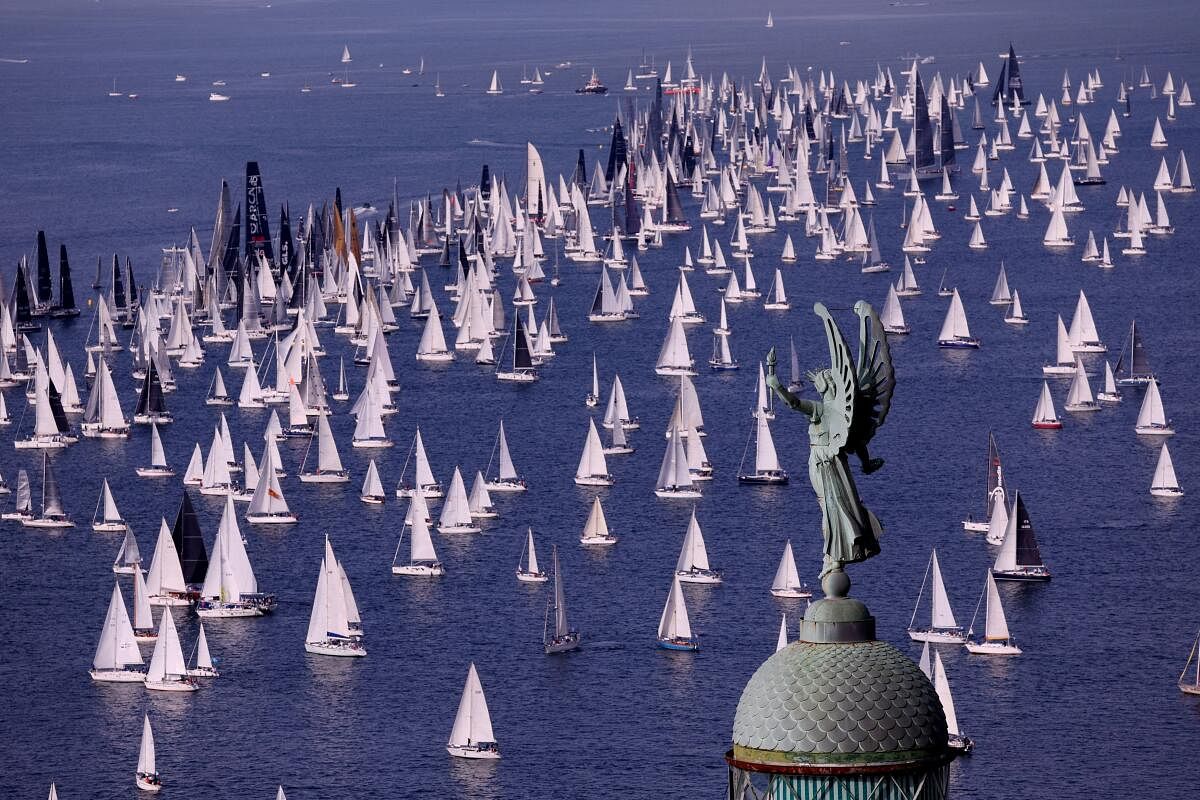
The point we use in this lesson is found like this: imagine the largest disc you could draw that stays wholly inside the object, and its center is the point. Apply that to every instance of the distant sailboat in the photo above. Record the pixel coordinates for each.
(129, 558)
(674, 476)
(1044, 415)
(1165, 484)
(117, 658)
(1152, 418)
(107, 518)
(1191, 686)
(147, 778)
(472, 735)
(507, 478)
(527, 568)
(595, 530)
(692, 565)
(167, 671)
(942, 627)
(330, 631)
(494, 87)
(593, 467)
(787, 581)
(955, 332)
(561, 638)
(996, 641)
(767, 469)
(372, 488)
(941, 684)
(674, 627)
(53, 514)
(1020, 558)
(422, 559)
(994, 487)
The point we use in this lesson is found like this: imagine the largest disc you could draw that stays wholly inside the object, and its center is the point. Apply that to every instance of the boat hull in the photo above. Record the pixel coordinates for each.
(791, 594)
(563, 644)
(678, 494)
(271, 519)
(707, 576)
(525, 576)
(1047, 425)
(594, 480)
(336, 649)
(419, 570)
(975, 526)
(764, 478)
(959, 344)
(182, 685)
(148, 783)
(324, 477)
(117, 675)
(506, 486)
(1165, 491)
(1028, 574)
(1154, 430)
(945, 636)
(598, 541)
(679, 645)
(372, 499)
(993, 649)
(473, 752)
(109, 527)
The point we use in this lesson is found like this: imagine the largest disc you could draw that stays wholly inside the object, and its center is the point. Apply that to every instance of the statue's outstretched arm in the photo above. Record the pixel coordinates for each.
(795, 403)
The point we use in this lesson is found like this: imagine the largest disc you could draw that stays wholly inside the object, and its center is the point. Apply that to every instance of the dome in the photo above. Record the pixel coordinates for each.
(838, 703)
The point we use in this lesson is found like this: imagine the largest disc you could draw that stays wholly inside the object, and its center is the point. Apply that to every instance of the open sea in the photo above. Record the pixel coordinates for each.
(1089, 710)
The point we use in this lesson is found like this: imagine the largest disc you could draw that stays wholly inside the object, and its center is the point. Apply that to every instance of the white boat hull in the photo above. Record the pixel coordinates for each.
(532, 577)
(597, 541)
(337, 649)
(1154, 430)
(148, 783)
(459, 529)
(594, 480)
(678, 494)
(506, 486)
(181, 685)
(109, 527)
(975, 526)
(698, 576)
(938, 636)
(419, 570)
(324, 477)
(1166, 491)
(117, 676)
(271, 519)
(791, 594)
(372, 499)
(993, 649)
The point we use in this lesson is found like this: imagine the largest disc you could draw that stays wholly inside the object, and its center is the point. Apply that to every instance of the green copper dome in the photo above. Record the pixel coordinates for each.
(838, 704)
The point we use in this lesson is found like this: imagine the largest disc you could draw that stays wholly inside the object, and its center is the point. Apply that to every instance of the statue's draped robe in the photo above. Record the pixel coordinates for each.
(851, 531)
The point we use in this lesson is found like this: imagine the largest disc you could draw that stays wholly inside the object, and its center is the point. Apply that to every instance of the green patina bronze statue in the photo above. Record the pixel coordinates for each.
(854, 401)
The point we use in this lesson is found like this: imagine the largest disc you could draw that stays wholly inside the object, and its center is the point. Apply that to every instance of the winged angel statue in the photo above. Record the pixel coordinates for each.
(855, 399)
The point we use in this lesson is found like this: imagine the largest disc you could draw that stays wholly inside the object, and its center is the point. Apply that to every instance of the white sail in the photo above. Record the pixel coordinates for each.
(421, 541)
(694, 554)
(328, 459)
(473, 722)
(943, 616)
(786, 575)
(166, 571)
(674, 622)
(673, 472)
(954, 326)
(117, 648)
(942, 686)
(996, 626)
(166, 663)
(592, 463)
(765, 457)
(329, 618)
(145, 764)
(1151, 414)
(531, 554)
(1164, 474)
(456, 511)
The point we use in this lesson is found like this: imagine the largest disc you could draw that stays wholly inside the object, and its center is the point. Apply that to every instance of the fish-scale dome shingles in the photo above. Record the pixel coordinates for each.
(844, 699)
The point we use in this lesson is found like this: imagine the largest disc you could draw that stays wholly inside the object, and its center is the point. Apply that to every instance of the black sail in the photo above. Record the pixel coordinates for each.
(66, 291)
(947, 147)
(522, 359)
(232, 254)
(258, 231)
(193, 555)
(1028, 553)
(45, 288)
(56, 408)
(151, 400)
(674, 208)
(923, 150)
(287, 246)
(118, 285)
(21, 296)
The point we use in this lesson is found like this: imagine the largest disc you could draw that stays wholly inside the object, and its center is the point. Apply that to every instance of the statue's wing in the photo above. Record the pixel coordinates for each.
(838, 412)
(875, 377)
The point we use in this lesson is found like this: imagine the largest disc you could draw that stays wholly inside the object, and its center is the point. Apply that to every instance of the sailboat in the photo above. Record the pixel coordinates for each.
(422, 558)
(593, 398)
(456, 511)
(595, 530)
(782, 641)
(204, 663)
(955, 332)
(1044, 415)
(1133, 368)
(268, 506)
(1152, 418)
(692, 565)
(345, 81)
(527, 566)
(1192, 686)
(1079, 396)
(996, 641)
(674, 627)
(230, 587)
(158, 467)
(147, 778)
(593, 467)
(218, 395)
(329, 626)
(341, 393)
(1164, 483)
(1064, 358)
(942, 626)
(167, 671)
(507, 479)
(117, 658)
(892, 314)
(129, 558)
(767, 469)
(564, 638)
(329, 462)
(674, 358)
(107, 518)
(994, 488)
(53, 515)
(494, 87)
(372, 488)
(787, 581)
(423, 480)
(1020, 558)
(472, 735)
(50, 424)
(941, 684)
(1109, 394)
(165, 584)
(1016, 314)
(151, 405)
(674, 477)
(522, 370)
(103, 417)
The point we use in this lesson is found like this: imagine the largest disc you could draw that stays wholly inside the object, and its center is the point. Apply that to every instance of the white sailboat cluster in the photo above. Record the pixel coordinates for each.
(334, 627)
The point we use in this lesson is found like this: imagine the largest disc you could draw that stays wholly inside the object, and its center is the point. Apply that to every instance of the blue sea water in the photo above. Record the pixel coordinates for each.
(1090, 708)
